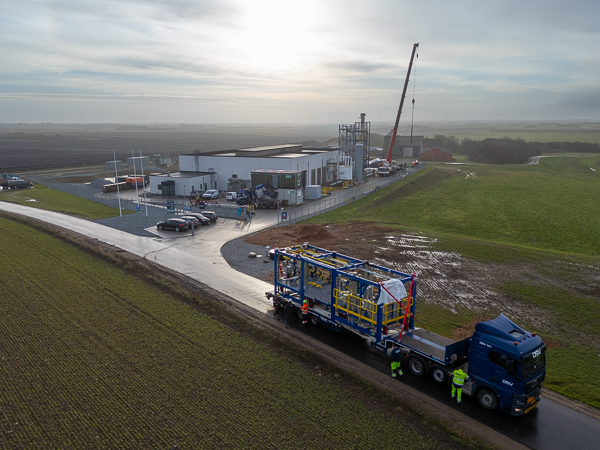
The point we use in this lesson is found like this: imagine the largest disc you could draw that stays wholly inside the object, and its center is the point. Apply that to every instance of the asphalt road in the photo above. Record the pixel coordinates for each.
(550, 426)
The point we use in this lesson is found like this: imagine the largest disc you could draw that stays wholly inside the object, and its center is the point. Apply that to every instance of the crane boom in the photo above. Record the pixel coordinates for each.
(395, 130)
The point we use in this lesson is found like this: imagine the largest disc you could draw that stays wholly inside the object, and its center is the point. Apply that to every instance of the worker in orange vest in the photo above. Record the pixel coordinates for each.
(304, 312)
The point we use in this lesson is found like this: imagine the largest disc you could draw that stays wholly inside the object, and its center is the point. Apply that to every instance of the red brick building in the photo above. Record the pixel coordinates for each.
(436, 154)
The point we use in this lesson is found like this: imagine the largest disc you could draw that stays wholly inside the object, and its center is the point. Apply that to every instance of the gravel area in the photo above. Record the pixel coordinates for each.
(236, 254)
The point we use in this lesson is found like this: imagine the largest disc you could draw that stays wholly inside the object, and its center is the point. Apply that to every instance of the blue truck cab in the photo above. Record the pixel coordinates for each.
(507, 366)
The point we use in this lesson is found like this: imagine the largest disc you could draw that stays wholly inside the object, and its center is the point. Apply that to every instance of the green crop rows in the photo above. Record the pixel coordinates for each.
(91, 357)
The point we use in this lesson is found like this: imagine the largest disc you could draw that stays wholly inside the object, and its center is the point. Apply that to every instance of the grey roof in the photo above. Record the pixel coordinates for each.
(271, 151)
(181, 174)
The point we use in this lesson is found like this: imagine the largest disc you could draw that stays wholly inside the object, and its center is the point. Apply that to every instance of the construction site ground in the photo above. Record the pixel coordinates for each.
(445, 279)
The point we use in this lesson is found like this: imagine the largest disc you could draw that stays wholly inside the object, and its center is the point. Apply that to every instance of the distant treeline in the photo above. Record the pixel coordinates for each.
(501, 151)
(512, 151)
(38, 137)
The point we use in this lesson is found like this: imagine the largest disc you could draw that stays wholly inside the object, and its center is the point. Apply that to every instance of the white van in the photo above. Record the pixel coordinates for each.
(211, 193)
(231, 196)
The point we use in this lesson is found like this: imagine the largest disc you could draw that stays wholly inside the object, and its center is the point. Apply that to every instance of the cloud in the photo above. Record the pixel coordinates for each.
(537, 58)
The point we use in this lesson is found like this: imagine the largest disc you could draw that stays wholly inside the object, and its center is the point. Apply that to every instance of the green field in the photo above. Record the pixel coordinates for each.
(43, 197)
(550, 206)
(542, 218)
(93, 357)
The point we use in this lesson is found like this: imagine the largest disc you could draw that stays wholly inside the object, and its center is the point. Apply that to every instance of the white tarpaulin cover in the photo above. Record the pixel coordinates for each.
(396, 288)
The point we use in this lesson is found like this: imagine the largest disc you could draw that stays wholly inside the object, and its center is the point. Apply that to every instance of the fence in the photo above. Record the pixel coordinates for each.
(341, 198)
(158, 205)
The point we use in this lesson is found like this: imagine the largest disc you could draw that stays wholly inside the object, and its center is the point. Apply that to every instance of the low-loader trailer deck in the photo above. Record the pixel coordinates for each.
(505, 363)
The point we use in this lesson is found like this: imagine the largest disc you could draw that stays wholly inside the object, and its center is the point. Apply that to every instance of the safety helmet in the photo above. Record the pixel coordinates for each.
(304, 301)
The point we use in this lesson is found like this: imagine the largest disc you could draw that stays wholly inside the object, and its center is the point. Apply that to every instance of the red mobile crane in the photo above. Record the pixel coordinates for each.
(395, 130)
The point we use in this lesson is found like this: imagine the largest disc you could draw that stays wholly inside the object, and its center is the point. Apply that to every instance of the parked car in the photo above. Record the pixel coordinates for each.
(190, 220)
(19, 184)
(173, 224)
(231, 196)
(203, 220)
(210, 215)
(211, 194)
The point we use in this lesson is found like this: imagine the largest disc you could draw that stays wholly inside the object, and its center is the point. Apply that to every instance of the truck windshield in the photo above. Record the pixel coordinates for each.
(534, 362)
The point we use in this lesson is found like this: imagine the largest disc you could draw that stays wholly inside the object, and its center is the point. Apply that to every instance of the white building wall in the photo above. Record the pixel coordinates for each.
(181, 184)
(226, 166)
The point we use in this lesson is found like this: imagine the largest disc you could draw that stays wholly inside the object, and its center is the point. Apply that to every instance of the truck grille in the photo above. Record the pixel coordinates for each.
(533, 385)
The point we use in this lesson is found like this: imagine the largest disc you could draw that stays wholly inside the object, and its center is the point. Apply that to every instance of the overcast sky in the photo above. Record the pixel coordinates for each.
(309, 61)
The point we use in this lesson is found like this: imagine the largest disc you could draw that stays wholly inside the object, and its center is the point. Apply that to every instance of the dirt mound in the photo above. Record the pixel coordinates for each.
(356, 239)
(314, 233)
(293, 235)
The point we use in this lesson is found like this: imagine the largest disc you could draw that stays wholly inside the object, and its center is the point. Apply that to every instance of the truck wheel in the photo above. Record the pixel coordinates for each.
(438, 374)
(314, 320)
(416, 366)
(299, 313)
(487, 399)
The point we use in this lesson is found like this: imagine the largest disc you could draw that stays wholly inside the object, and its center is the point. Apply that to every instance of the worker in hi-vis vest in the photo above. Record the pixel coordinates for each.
(458, 380)
(396, 357)
(304, 312)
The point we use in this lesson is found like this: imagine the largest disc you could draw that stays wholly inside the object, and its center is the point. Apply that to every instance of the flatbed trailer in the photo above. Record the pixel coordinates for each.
(505, 363)
(344, 292)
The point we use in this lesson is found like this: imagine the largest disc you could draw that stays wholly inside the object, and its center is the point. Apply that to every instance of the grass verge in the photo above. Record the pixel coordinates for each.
(43, 197)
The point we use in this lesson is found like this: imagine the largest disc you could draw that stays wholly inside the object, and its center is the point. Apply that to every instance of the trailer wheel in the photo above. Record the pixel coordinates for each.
(416, 365)
(314, 320)
(487, 399)
(438, 374)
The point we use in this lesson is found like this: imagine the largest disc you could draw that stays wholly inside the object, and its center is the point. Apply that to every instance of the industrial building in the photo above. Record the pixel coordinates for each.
(409, 146)
(179, 183)
(232, 169)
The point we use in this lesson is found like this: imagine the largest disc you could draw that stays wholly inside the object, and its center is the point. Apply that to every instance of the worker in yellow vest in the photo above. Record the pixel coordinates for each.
(458, 381)
(396, 357)
(304, 312)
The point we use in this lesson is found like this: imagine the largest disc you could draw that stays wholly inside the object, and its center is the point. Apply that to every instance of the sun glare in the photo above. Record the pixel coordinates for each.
(277, 36)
